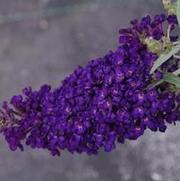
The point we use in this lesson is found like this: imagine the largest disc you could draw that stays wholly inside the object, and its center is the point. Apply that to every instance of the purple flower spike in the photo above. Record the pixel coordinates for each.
(98, 105)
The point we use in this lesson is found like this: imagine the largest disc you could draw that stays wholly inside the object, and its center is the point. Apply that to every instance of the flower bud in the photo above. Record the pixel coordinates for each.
(153, 45)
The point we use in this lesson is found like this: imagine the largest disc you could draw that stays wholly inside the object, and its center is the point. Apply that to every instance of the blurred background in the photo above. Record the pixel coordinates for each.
(42, 41)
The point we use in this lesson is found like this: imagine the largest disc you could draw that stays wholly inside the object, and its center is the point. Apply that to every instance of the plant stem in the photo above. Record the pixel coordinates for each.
(176, 56)
(176, 43)
(168, 31)
(177, 72)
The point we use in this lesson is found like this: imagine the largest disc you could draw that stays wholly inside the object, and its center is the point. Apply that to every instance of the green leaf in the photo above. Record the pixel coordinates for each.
(164, 57)
(171, 78)
(178, 11)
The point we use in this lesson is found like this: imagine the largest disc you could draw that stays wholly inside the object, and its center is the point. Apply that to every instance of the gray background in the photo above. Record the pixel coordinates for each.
(38, 49)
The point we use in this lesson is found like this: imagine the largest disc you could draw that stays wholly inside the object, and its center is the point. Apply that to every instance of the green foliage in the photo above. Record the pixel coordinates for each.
(164, 57)
(172, 79)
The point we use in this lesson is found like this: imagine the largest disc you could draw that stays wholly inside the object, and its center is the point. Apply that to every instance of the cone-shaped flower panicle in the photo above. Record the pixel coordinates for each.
(98, 105)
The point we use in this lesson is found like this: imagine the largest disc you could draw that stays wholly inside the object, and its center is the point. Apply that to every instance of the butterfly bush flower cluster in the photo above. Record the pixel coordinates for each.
(99, 105)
